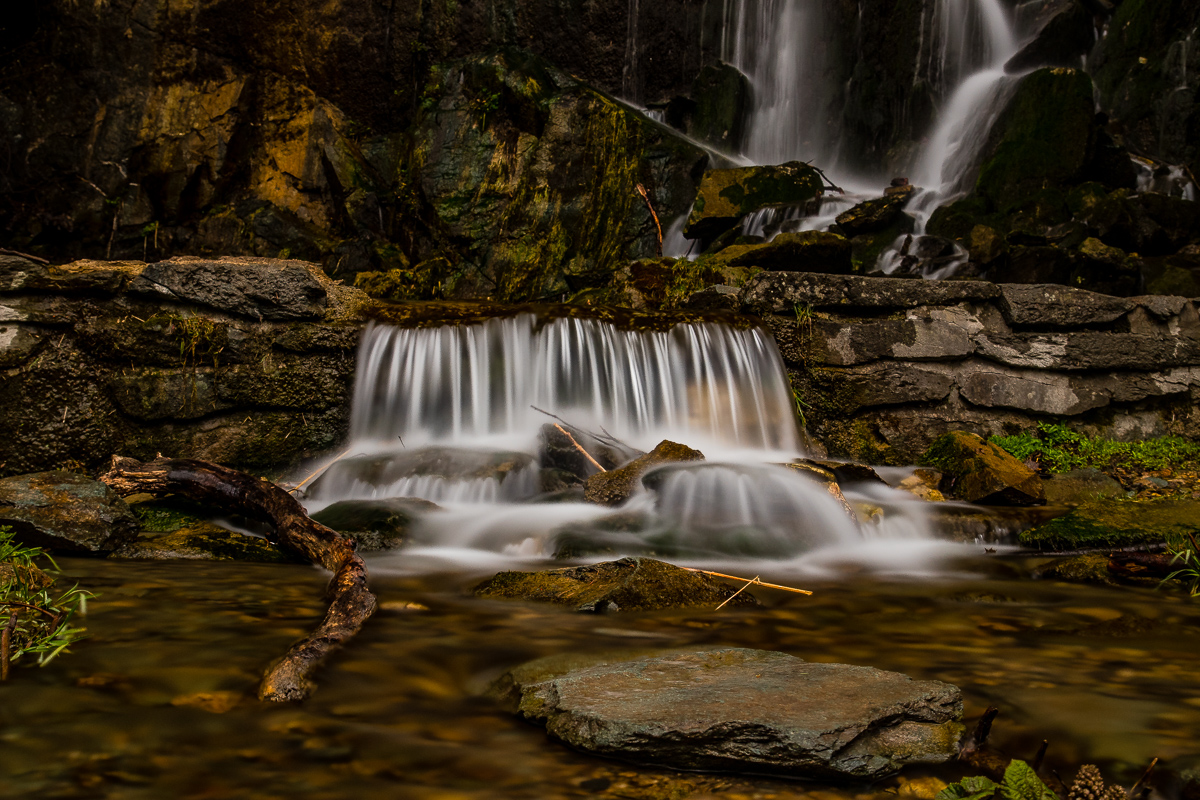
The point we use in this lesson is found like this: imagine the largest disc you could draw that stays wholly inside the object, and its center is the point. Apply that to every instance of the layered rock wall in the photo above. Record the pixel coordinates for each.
(883, 366)
(239, 360)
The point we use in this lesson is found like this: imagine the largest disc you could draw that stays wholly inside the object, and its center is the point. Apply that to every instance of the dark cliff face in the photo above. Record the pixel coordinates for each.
(148, 129)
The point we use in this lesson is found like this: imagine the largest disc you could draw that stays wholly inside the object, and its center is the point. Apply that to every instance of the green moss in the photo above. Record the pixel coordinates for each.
(1117, 523)
(1058, 449)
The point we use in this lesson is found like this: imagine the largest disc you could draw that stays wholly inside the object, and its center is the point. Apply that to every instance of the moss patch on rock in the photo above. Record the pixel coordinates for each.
(981, 472)
(1117, 523)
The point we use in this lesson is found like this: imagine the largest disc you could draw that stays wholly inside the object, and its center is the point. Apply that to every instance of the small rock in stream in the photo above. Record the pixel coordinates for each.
(631, 584)
(744, 710)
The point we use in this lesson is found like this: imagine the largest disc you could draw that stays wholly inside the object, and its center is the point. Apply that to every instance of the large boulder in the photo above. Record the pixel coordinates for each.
(1040, 141)
(204, 541)
(1065, 31)
(728, 195)
(66, 513)
(630, 584)
(876, 214)
(981, 472)
(613, 487)
(746, 711)
(720, 93)
(382, 524)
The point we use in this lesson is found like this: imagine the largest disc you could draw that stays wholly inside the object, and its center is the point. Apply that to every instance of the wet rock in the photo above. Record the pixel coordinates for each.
(1090, 568)
(204, 541)
(257, 288)
(827, 479)
(805, 251)
(434, 463)
(718, 297)
(981, 472)
(1066, 31)
(877, 214)
(1117, 523)
(720, 93)
(66, 513)
(558, 450)
(986, 245)
(1041, 139)
(1080, 486)
(613, 487)
(727, 195)
(630, 584)
(375, 524)
(750, 711)
(923, 484)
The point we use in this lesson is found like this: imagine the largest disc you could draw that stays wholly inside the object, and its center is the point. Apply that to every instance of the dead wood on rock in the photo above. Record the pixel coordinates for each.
(230, 490)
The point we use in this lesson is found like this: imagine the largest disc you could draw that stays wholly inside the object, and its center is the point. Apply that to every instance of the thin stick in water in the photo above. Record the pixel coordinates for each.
(579, 447)
(755, 581)
(739, 591)
(320, 471)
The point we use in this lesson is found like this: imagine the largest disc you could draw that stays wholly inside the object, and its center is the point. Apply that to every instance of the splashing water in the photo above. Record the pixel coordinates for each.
(451, 414)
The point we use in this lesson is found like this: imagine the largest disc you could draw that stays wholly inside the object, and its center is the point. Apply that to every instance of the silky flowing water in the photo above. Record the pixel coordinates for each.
(1107, 675)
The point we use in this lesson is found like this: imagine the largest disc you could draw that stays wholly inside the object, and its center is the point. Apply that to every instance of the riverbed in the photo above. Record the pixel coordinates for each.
(159, 701)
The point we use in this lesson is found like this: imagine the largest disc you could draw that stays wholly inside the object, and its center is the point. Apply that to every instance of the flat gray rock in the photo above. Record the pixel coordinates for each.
(779, 292)
(257, 288)
(66, 513)
(746, 711)
(1054, 306)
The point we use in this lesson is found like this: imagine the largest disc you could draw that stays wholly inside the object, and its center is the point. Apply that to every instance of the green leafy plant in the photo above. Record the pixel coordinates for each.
(1057, 449)
(36, 623)
(976, 787)
(1185, 552)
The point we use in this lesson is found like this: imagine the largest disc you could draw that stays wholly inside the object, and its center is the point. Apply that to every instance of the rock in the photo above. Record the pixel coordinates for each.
(727, 195)
(751, 711)
(986, 245)
(875, 215)
(720, 93)
(556, 450)
(1076, 569)
(1117, 523)
(827, 479)
(614, 487)
(1080, 486)
(1049, 306)
(630, 584)
(204, 541)
(923, 484)
(65, 513)
(981, 472)
(433, 463)
(257, 288)
(718, 297)
(79, 277)
(375, 524)
(1040, 140)
(780, 292)
(1066, 32)
(805, 251)
(1107, 268)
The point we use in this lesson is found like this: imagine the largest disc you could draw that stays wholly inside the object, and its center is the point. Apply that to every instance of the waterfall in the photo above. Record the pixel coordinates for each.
(779, 46)
(706, 384)
(947, 164)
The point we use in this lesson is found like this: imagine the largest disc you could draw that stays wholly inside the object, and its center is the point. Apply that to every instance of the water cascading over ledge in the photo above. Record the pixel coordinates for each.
(453, 414)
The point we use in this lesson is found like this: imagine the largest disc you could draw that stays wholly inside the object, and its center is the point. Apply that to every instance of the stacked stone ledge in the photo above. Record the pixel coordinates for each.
(886, 365)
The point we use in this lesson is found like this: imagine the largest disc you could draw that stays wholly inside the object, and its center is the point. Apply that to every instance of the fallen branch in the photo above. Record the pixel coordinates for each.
(352, 603)
(657, 225)
(1133, 790)
(6, 252)
(579, 447)
(748, 581)
(318, 472)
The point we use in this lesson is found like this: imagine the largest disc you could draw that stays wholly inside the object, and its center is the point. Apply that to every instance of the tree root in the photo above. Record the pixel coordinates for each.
(352, 603)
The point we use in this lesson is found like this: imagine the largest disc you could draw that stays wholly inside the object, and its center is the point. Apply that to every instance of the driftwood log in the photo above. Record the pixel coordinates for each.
(351, 602)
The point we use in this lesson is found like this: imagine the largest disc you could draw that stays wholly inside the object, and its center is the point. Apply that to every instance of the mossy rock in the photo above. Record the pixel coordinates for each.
(630, 584)
(727, 195)
(614, 487)
(721, 93)
(1090, 568)
(204, 541)
(1117, 523)
(981, 472)
(1041, 139)
(375, 524)
(804, 251)
(872, 216)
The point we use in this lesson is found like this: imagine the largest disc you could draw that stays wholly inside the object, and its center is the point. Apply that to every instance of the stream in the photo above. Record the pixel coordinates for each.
(1106, 675)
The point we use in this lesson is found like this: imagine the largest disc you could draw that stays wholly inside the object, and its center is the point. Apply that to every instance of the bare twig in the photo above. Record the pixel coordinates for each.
(6, 645)
(657, 225)
(1133, 790)
(1041, 755)
(754, 581)
(5, 251)
(578, 447)
(319, 471)
(739, 591)
(14, 604)
(824, 177)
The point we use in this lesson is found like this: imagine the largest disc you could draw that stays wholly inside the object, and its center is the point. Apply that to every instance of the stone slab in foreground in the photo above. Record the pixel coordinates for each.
(747, 711)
